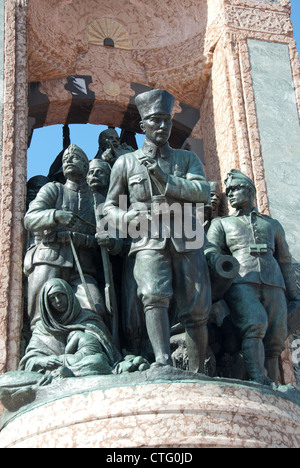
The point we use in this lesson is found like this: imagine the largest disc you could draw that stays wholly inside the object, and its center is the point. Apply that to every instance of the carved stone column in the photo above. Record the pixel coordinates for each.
(1, 69)
(13, 180)
(256, 104)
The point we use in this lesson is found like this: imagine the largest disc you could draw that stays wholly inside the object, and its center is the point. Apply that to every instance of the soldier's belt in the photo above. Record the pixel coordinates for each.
(258, 249)
(86, 241)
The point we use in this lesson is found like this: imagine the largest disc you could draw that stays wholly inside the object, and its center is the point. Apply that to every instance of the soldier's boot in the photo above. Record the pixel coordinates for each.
(254, 357)
(272, 367)
(196, 343)
(158, 328)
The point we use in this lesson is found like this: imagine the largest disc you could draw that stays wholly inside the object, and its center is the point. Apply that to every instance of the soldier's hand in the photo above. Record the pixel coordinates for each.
(107, 156)
(154, 169)
(66, 218)
(107, 242)
(132, 216)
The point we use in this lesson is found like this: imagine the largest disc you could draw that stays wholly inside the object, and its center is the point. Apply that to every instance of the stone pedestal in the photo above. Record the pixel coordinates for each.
(169, 408)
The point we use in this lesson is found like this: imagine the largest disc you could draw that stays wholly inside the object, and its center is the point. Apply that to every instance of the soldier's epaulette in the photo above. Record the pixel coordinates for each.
(221, 217)
(218, 218)
(267, 216)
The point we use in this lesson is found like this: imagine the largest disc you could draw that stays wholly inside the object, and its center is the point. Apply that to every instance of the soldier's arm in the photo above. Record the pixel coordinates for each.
(194, 188)
(41, 212)
(215, 242)
(115, 207)
(284, 259)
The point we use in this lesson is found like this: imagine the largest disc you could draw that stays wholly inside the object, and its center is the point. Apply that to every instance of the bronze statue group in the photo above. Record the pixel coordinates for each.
(99, 304)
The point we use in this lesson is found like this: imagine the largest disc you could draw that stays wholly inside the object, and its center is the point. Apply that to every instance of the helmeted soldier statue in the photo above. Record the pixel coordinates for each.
(258, 296)
(172, 276)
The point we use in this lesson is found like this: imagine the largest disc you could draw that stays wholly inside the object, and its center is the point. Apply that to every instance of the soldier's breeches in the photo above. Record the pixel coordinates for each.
(260, 312)
(178, 281)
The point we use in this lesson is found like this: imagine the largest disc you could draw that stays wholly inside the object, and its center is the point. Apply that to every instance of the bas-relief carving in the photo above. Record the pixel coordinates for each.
(1, 68)
(104, 28)
(156, 53)
(259, 20)
(140, 64)
(22, 3)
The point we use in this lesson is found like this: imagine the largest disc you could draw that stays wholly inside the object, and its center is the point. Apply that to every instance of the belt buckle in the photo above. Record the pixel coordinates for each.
(258, 249)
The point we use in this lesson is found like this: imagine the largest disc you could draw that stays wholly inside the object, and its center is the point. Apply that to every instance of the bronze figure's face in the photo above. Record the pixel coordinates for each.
(113, 138)
(215, 200)
(59, 302)
(239, 196)
(98, 177)
(157, 128)
(74, 165)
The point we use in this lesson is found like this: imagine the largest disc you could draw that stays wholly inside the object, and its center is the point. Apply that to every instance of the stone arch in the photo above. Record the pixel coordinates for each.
(69, 68)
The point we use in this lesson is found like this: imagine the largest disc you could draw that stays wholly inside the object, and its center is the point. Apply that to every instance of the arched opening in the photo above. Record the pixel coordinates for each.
(48, 142)
(108, 42)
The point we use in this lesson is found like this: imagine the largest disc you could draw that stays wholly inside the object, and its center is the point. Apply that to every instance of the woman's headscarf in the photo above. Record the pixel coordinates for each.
(51, 333)
(67, 320)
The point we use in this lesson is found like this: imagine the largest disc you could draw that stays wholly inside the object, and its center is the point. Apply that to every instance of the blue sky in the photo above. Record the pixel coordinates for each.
(46, 142)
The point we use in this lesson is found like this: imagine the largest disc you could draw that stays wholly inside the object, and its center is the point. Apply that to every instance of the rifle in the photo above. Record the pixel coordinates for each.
(109, 290)
(112, 348)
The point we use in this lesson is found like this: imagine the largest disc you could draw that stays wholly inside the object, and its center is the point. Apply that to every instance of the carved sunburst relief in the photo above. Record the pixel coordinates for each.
(104, 29)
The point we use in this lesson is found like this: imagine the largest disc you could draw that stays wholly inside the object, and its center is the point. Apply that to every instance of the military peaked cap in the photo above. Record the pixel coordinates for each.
(236, 177)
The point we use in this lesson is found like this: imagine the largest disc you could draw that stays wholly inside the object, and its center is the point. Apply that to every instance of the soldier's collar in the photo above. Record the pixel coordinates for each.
(242, 212)
(150, 149)
(76, 187)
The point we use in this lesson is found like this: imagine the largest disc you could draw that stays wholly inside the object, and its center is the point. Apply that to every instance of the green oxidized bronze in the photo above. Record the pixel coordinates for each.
(257, 299)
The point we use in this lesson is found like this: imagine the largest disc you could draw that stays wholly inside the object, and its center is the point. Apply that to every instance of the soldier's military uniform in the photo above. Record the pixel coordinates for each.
(258, 297)
(170, 273)
(51, 255)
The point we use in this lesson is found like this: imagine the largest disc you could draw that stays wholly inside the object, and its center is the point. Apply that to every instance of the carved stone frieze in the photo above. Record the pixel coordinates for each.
(258, 19)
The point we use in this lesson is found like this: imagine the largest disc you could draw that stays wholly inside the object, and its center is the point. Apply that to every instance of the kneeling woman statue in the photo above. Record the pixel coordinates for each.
(68, 336)
(71, 340)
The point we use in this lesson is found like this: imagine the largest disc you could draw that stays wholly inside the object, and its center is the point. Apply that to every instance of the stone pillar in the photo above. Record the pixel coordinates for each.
(239, 80)
(278, 123)
(255, 100)
(1, 69)
(13, 180)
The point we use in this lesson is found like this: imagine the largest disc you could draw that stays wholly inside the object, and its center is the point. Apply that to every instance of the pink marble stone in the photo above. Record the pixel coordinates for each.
(178, 415)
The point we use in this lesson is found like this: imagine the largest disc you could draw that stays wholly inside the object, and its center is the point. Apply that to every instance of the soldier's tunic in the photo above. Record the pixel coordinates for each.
(169, 271)
(51, 256)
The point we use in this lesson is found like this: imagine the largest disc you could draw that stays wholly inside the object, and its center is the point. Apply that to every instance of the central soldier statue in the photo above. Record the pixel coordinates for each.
(171, 274)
